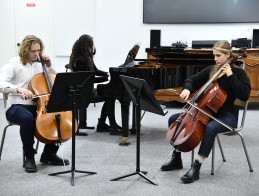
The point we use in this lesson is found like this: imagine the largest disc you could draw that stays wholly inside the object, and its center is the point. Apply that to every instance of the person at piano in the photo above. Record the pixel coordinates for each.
(15, 75)
(82, 59)
(237, 85)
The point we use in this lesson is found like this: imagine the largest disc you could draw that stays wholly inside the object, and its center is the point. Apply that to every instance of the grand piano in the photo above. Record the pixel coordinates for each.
(250, 65)
(165, 68)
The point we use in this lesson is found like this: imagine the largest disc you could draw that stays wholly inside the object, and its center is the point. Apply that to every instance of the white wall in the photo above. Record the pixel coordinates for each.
(71, 19)
(7, 32)
(116, 26)
(34, 20)
(17, 20)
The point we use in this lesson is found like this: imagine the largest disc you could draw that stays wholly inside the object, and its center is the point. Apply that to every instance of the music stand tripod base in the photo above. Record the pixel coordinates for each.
(141, 173)
(68, 93)
(135, 88)
(72, 174)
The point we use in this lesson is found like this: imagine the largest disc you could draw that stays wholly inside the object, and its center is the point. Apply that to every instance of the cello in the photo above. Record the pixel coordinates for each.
(186, 132)
(53, 127)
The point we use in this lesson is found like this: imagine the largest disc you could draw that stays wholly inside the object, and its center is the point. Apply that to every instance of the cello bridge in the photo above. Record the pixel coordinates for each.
(187, 111)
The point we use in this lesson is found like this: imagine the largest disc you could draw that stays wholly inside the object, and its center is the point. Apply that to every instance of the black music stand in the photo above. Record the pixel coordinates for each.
(70, 92)
(143, 99)
(67, 66)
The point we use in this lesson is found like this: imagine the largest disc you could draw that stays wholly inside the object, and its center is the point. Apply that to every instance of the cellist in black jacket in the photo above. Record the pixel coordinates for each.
(237, 85)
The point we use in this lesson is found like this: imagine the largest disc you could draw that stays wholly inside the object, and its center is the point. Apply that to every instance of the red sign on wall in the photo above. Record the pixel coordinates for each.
(30, 4)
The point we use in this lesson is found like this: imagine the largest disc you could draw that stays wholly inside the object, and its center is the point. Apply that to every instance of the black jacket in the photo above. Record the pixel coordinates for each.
(237, 86)
(82, 66)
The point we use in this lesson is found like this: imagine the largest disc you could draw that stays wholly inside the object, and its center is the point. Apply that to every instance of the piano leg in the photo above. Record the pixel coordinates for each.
(133, 129)
(125, 118)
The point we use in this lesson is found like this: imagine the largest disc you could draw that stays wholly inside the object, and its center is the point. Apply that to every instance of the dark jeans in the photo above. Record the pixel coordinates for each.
(24, 115)
(211, 130)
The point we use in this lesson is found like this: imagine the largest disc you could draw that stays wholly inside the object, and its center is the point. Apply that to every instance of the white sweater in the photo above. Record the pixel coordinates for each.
(14, 74)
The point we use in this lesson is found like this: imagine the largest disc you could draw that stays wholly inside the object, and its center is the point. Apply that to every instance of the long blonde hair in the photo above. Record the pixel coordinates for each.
(26, 46)
(224, 47)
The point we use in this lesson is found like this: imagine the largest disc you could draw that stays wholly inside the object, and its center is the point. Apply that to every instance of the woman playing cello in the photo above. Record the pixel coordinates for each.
(236, 84)
(15, 75)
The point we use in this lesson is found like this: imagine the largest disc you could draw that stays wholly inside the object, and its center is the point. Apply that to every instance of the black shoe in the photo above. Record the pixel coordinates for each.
(82, 125)
(193, 173)
(115, 131)
(174, 163)
(102, 127)
(118, 126)
(53, 159)
(30, 165)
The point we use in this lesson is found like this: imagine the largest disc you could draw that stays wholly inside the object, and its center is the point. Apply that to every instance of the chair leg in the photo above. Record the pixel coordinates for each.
(247, 156)
(213, 155)
(221, 150)
(2, 144)
(223, 156)
(3, 138)
(212, 159)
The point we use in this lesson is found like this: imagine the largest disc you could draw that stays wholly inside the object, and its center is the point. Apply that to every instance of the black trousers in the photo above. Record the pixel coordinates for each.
(108, 109)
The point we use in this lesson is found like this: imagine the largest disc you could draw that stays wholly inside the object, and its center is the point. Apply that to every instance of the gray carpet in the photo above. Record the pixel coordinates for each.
(100, 152)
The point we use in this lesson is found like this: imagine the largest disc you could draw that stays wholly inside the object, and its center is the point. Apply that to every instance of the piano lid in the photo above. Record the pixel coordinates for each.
(172, 53)
(129, 62)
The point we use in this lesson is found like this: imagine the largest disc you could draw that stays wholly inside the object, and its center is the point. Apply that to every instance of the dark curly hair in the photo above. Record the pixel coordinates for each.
(82, 50)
